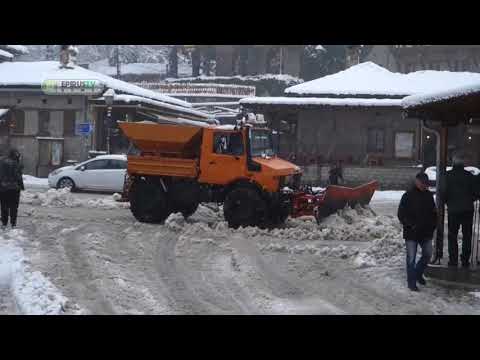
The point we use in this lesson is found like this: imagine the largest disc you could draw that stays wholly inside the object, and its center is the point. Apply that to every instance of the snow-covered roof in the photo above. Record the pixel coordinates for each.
(35, 72)
(353, 102)
(3, 112)
(139, 99)
(370, 79)
(437, 96)
(20, 49)
(5, 54)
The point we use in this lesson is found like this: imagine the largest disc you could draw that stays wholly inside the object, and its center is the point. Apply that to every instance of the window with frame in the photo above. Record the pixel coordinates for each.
(228, 143)
(17, 121)
(404, 145)
(376, 140)
(100, 164)
(69, 123)
(44, 123)
(117, 164)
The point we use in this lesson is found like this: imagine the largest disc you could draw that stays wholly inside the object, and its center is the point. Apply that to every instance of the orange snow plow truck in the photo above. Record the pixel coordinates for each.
(176, 167)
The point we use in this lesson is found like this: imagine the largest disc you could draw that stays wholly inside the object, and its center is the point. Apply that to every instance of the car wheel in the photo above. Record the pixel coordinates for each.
(66, 182)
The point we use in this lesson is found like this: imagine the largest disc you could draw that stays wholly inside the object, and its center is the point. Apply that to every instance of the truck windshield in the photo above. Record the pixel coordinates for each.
(261, 143)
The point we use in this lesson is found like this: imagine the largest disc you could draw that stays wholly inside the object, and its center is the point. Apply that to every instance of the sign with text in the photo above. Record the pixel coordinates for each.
(73, 87)
(84, 129)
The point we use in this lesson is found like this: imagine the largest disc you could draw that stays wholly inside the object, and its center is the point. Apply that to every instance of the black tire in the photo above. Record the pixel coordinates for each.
(184, 197)
(243, 206)
(66, 182)
(148, 201)
(189, 210)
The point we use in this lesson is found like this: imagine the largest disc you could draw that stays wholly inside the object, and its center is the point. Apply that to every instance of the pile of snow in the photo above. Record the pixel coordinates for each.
(33, 293)
(64, 198)
(357, 225)
(34, 182)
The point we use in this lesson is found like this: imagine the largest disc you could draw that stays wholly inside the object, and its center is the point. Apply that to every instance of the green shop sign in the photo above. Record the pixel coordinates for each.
(72, 87)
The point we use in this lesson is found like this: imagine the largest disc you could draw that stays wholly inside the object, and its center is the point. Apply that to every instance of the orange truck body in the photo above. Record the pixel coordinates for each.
(186, 151)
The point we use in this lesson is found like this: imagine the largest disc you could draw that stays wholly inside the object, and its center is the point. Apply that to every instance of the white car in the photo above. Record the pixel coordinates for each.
(103, 173)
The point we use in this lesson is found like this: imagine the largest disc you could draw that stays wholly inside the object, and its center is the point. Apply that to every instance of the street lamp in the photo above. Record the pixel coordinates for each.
(109, 96)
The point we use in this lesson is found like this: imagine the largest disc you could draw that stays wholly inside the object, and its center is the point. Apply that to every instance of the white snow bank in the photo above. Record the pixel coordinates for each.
(64, 198)
(34, 182)
(353, 225)
(369, 78)
(33, 293)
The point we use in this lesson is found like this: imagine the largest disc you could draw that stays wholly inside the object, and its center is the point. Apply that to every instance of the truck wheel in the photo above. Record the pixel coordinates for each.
(184, 196)
(244, 207)
(148, 201)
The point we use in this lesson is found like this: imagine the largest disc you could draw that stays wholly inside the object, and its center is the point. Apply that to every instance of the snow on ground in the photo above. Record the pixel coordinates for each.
(387, 196)
(64, 198)
(108, 263)
(32, 293)
(34, 182)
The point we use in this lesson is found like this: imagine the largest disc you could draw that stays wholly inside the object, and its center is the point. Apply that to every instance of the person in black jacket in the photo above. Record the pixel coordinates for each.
(418, 215)
(335, 173)
(459, 195)
(11, 183)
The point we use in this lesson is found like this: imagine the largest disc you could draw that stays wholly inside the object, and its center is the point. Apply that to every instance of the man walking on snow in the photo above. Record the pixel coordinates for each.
(459, 196)
(418, 215)
(11, 183)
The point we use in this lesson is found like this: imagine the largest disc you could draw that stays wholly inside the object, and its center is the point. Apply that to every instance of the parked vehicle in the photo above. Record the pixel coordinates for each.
(102, 173)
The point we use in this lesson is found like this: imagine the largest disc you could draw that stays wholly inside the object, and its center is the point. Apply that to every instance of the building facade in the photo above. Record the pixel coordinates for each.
(53, 115)
(409, 58)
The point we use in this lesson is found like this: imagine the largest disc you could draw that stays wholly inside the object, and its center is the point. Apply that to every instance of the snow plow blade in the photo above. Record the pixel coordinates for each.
(338, 197)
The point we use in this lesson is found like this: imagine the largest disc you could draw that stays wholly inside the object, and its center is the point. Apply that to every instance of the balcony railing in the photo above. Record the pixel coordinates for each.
(200, 89)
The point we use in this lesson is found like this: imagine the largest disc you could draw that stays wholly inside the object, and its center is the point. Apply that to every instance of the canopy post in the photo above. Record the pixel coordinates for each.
(441, 185)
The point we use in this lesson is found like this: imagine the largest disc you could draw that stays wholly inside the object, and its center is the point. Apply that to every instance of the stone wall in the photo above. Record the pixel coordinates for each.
(390, 178)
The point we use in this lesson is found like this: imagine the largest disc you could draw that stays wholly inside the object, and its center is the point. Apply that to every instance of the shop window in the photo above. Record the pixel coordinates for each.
(376, 141)
(404, 145)
(69, 123)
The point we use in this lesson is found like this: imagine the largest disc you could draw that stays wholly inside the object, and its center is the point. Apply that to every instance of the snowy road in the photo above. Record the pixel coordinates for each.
(97, 256)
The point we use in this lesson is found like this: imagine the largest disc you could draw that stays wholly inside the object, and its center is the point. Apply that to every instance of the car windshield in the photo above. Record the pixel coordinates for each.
(261, 143)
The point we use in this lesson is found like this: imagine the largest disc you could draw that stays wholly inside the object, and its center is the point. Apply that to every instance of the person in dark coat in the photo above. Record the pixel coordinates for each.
(418, 215)
(11, 183)
(459, 195)
(335, 173)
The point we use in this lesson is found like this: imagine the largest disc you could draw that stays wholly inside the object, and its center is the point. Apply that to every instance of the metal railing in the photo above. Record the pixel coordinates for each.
(196, 89)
